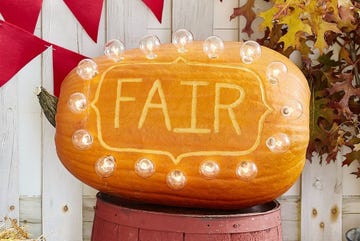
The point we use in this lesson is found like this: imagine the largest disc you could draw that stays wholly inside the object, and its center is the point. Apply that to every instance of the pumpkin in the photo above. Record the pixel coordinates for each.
(183, 129)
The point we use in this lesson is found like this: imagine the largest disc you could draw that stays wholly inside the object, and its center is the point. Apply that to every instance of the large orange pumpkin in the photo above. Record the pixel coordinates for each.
(184, 129)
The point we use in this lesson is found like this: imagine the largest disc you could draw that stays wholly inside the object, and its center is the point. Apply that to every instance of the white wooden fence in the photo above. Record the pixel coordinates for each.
(38, 191)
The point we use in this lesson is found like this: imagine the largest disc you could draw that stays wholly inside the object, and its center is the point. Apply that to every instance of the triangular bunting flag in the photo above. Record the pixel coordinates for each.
(17, 48)
(23, 13)
(156, 6)
(64, 61)
(88, 13)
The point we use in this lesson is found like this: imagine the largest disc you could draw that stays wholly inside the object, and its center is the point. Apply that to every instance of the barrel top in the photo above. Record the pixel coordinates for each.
(187, 220)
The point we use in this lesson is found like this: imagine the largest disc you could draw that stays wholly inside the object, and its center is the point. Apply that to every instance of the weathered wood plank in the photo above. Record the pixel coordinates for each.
(322, 205)
(195, 16)
(62, 209)
(29, 132)
(30, 214)
(351, 205)
(87, 230)
(132, 26)
(222, 12)
(89, 204)
(290, 208)
(115, 27)
(9, 155)
(290, 217)
(351, 184)
(29, 117)
(290, 230)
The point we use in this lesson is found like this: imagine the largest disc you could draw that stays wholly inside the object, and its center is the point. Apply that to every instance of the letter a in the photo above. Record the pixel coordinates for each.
(148, 104)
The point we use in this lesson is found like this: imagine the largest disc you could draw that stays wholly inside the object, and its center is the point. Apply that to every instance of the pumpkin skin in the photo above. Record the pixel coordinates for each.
(180, 110)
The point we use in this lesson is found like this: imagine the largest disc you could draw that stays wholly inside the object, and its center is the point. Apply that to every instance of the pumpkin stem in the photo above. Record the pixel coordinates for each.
(48, 104)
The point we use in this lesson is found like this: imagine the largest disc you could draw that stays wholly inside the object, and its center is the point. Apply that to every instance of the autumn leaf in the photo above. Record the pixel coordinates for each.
(333, 77)
(320, 27)
(296, 28)
(268, 17)
(322, 125)
(247, 10)
(352, 156)
(348, 89)
(357, 173)
(346, 15)
(345, 55)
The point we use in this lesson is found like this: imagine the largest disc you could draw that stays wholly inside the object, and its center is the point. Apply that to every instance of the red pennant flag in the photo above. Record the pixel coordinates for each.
(156, 6)
(88, 13)
(64, 61)
(23, 13)
(17, 48)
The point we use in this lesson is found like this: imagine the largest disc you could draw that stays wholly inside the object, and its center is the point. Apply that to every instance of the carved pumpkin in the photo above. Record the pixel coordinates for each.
(183, 129)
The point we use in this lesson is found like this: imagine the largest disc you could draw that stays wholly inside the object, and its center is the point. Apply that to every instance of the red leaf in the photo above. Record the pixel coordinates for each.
(247, 11)
(348, 89)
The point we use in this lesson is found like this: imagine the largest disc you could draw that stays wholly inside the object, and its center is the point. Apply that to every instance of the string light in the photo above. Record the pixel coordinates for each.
(292, 110)
(250, 51)
(148, 45)
(82, 139)
(213, 46)
(105, 166)
(246, 170)
(87, 69)
(181, 38)
(114, 50)
(278, 143)
(176, 179)
(209, 169)
(144, 168)
(77, 102)
(274, 70)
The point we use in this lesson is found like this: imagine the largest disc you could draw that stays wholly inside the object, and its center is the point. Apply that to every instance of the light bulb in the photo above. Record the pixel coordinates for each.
(213, 46)
(87, 69)
(176, 179)
(292, 109)
(181, 38)
(250, 51)
(77, 102)
(105, 166)
(278, 143)
(274, 70)
(82, 139)
(114, 50)
(209, 169)
(148, 45)
(144, 168)
(246, 170)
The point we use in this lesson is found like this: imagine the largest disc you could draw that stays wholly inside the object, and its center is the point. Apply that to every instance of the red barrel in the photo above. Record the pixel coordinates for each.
(120, 220)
